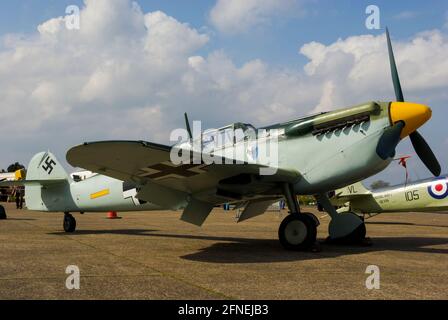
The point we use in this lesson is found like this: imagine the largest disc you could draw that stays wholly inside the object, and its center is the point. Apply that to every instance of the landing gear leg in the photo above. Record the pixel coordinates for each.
(344, 228)
(298, 230)
(69, 222)
(2, 213)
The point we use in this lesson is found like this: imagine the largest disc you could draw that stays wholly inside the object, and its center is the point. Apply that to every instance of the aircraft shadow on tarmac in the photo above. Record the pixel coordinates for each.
(246, 250)
(405, 224)
(259, 251)
(128, 232)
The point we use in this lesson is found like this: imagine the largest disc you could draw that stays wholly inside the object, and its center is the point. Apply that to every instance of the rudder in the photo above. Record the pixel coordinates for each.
(45, 170)
(45, 166)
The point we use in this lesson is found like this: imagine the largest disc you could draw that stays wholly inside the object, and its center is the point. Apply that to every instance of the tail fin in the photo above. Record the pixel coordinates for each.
(353, 189)
(44, 170)
(47, 184)
(45, 167)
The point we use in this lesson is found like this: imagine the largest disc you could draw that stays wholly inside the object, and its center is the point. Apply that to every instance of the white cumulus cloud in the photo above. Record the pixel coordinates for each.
(129, 74)
(235, 16)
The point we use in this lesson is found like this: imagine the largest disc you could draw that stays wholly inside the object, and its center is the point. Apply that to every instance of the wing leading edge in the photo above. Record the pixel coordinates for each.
(195, 188)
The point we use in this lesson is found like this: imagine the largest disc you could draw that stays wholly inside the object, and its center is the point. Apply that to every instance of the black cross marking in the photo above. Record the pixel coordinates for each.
(49, 165)
(165, 170)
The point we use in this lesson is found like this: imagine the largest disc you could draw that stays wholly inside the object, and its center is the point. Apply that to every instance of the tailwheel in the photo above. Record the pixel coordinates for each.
(69, 223)
(2, 213)
(298, 231)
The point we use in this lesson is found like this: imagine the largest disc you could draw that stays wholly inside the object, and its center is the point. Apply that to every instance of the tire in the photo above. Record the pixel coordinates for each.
(2, 213)
(357, 234)
(69, 223)
(312, 216)
(297, 232)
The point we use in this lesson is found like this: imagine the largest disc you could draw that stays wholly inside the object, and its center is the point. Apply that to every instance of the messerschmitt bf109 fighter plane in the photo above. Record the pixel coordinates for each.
(429, 195)
(316, 154)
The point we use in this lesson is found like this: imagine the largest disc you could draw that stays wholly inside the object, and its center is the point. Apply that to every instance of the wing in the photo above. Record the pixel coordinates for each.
(194, 187)
(339, 200)
(353, 192)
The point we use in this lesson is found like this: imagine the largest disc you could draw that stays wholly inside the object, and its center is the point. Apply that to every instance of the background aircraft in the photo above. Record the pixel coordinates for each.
(316, 154)
(6, 191)
(427, 195)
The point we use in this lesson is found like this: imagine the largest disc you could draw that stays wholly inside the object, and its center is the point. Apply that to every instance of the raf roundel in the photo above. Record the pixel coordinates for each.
(438, 189)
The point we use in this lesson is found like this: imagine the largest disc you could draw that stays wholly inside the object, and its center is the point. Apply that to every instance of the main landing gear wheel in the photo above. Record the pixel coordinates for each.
(298, 231)
(348, 228)
(69, 223)
(2, 213)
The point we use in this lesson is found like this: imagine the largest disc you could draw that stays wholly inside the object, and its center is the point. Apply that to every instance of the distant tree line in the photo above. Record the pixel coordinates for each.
(307, 200)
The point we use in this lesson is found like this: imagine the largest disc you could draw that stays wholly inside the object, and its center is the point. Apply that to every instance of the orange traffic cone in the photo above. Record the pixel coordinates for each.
(112, 215)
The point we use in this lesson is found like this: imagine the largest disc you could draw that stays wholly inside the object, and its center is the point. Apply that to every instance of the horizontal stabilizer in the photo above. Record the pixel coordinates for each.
(14, 183)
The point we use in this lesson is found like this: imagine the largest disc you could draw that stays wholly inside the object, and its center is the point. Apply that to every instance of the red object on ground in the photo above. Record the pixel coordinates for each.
(112, 215)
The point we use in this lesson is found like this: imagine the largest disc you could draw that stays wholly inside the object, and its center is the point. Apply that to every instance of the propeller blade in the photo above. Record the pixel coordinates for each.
(389, 141)
(393, 70)
(187, 124)
(425, 153)
(420, 146)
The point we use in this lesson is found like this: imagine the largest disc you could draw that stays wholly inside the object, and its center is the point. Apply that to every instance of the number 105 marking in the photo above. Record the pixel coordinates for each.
(411, 195)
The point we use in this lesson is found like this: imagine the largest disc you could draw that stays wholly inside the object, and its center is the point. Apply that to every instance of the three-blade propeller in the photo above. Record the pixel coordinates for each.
(421, 147)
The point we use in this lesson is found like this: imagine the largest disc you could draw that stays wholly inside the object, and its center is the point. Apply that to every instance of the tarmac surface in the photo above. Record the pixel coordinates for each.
(154, 255)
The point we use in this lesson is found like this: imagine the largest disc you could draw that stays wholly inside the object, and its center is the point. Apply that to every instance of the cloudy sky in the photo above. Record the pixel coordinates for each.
(134, 67)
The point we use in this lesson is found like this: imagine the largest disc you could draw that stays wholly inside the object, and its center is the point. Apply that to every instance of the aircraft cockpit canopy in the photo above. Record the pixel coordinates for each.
(228, 135)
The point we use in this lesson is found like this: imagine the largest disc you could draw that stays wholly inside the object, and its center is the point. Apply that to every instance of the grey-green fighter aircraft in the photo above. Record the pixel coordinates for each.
(427, 195)
(316, 154)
